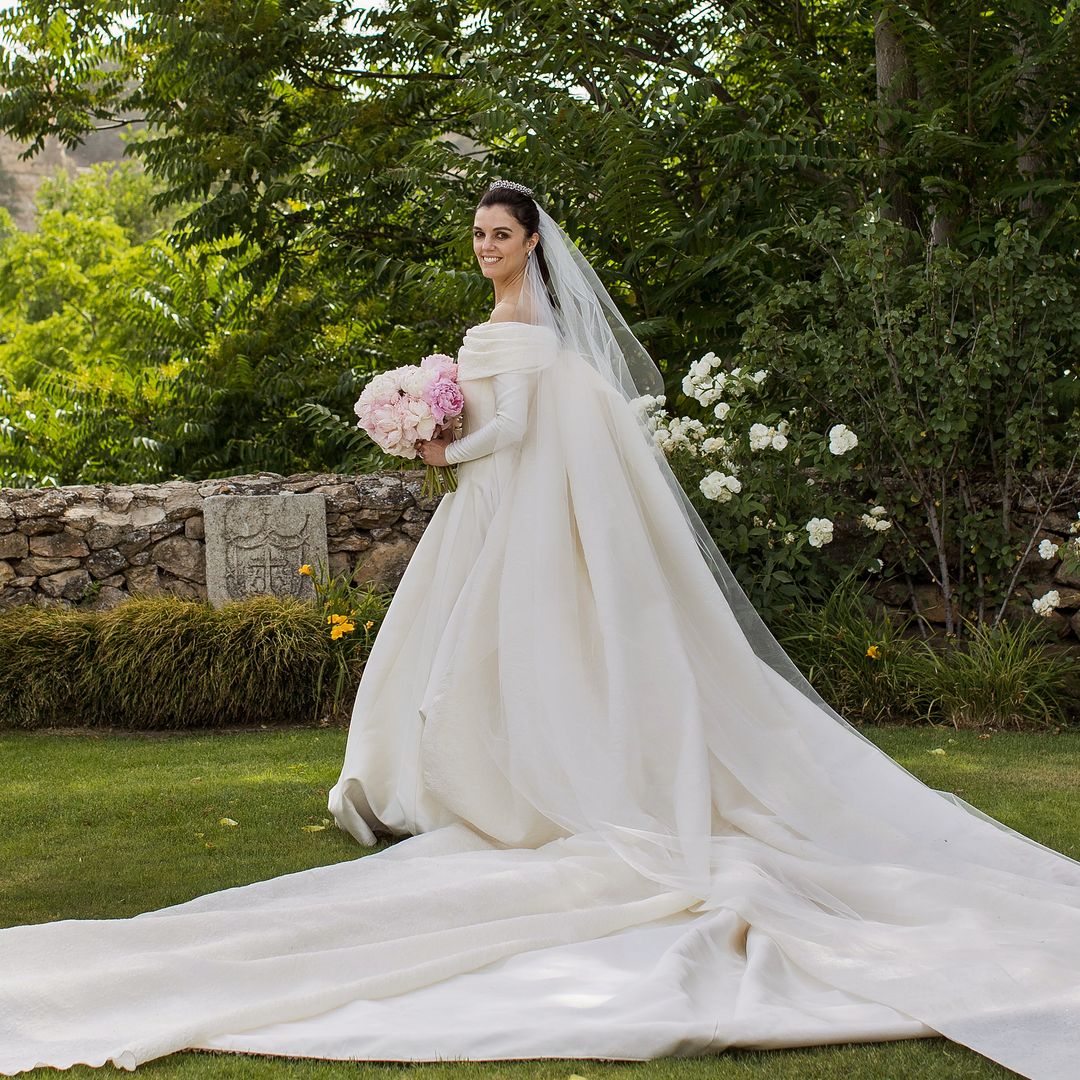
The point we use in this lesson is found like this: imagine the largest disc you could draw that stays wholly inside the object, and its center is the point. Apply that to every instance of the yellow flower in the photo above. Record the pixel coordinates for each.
(335, 619)
(305, 570)
(342, 628)
(368, 625)
(874, 652)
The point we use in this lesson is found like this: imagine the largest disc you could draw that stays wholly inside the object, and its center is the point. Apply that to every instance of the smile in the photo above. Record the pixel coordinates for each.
(490, 259)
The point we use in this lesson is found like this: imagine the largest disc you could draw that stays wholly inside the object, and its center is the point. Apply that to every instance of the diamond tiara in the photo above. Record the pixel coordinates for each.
(510, 184)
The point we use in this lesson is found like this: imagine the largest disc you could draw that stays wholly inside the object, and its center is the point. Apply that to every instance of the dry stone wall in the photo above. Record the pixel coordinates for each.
(96, 545)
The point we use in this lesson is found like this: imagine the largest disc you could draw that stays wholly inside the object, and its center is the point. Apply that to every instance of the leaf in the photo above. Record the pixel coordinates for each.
(313, 828)
(227, 821)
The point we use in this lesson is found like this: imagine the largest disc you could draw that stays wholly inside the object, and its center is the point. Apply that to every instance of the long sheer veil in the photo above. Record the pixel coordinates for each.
(571, 300)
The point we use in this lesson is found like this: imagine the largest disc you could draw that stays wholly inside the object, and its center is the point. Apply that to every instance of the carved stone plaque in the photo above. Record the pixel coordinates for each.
(255, 544)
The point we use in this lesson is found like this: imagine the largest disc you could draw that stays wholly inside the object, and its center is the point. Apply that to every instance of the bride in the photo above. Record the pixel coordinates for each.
(634, 829)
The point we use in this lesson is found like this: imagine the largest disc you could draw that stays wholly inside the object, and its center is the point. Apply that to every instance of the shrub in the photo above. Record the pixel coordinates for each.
(1001, 676)
(165, 662)
(860, 663)
(871, 671)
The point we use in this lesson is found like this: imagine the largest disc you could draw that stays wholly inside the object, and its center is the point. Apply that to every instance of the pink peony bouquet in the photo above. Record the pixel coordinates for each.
(400, 408)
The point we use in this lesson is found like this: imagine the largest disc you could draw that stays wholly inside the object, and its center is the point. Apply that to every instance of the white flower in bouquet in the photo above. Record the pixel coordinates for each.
(399, 409)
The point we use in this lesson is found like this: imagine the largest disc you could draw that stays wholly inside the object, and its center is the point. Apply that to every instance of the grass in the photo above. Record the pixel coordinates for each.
(107, 825)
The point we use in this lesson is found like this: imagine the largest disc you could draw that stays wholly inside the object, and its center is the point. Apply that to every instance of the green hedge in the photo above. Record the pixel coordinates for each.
(164, 662)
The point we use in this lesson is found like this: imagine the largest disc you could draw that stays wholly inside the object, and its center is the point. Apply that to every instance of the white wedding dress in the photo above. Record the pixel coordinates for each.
(634, 838)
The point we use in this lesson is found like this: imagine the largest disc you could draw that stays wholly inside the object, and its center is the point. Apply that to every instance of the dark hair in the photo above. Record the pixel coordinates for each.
(525, 212)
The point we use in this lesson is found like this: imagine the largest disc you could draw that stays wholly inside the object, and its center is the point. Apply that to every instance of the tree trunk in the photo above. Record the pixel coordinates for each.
(896, 87)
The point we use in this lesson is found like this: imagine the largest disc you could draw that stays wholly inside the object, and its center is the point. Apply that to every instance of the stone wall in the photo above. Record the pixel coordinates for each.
(95, 545)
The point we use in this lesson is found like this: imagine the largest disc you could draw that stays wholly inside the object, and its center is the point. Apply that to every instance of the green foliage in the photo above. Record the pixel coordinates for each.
(768, 491)
(877, 201)
(1001, 676)
(872, 670)
(860, 662)
(161, 662)
(133, 361)
(952, 368)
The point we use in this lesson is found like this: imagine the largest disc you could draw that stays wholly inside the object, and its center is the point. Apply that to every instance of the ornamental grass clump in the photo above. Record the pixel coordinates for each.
(860, 663)
(169, 663)
(872, 670)
(44, 653)
(998, 676)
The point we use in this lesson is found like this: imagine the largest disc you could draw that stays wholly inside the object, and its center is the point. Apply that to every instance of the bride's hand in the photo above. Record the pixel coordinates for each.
(433, 451)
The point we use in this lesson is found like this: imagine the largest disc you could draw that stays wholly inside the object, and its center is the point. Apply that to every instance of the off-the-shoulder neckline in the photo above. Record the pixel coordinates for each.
(508, 322)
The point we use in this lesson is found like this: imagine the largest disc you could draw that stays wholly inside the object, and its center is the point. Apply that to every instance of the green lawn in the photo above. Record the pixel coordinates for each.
(106, 825)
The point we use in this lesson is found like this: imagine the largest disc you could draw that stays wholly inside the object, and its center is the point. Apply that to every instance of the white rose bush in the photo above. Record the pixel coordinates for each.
(943, 382)
(764, 480)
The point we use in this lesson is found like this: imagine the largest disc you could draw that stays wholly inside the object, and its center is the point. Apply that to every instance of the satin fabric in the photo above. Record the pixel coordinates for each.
(635, 839)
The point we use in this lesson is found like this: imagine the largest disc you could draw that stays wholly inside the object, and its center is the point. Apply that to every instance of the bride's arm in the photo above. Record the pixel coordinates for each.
(505, 428)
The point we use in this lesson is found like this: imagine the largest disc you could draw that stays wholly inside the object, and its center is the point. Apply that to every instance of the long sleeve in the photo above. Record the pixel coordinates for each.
(505, 428)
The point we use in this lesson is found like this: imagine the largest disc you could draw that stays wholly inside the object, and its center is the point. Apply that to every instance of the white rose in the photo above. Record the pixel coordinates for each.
(820, 530)
(1048, 549)
(1045, 605)
(760, 436)
(842, 439)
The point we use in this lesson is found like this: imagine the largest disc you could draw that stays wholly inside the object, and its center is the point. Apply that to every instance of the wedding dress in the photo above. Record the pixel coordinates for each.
(636, 833)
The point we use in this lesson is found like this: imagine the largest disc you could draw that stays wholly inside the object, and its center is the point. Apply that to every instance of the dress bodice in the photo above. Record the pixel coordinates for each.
(494, 362)
(493, 348)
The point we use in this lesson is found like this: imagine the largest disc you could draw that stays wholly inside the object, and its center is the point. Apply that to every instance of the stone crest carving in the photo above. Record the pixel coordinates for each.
(256, 543)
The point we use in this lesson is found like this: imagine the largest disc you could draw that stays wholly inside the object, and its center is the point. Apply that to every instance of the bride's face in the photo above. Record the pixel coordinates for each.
(500, 243)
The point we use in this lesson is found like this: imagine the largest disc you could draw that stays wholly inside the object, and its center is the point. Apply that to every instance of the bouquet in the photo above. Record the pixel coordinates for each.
(399, 408)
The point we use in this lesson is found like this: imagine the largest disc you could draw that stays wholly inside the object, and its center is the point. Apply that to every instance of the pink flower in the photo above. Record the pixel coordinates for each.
(445, 398)
(399, 408)
(442, 364)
